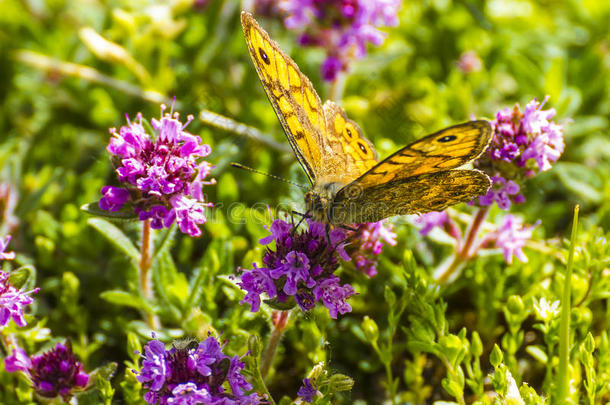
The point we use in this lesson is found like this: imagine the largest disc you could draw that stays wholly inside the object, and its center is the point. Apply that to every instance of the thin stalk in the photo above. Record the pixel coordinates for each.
(466, 252)
(563, 377)
(337, 86)
(279, 326)
(144, 267)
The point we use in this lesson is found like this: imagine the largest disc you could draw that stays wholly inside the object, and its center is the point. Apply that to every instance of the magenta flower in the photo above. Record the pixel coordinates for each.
(302, 267)
(523, 144)
(307, 392)
(366, 244)
(503, 192)
(193, 374)
(163, 173)
(54, 373)
(12, 302)
(4, 255)
(427, 222)
(342, 27)
(511, 237)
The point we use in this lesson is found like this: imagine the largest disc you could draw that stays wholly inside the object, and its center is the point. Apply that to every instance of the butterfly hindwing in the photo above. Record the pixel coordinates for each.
(351, 153)
(409, 195)
(292, 95)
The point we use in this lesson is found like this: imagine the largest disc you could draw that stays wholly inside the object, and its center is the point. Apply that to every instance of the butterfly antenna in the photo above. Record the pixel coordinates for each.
(274, 177)
(303, 216)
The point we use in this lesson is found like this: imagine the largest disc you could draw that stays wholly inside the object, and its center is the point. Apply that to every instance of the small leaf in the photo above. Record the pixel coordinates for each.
(116, 237)
(125, 213)
(282, 306)
(120, 297)
(22, 277)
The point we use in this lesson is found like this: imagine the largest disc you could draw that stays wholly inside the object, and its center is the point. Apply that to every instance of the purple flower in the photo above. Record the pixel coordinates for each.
(342, 27)
(431, 220)
(307, 392)
(189, 394)
(511, 237)
(12, 302)
(301, 264)
(4, 255)
(366, 244)
(191, 373)
(523, 144)
(333, 295)
(502, 192)
(53, 373)
(114, 198)
(162, 173)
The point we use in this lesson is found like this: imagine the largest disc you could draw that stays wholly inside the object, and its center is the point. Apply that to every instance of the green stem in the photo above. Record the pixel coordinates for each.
(466, 252)
(563, 377)
(144, 267)
(279, 326)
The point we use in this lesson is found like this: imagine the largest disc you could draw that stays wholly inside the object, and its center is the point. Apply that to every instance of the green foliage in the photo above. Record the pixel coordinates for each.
(71, 69)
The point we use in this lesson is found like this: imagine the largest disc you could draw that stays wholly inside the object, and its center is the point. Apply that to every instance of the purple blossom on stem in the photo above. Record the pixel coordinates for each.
(503, 192)
(4, 255)
(431, 220)
(12, 302)
(523, 144)
(342, 27)
(366, 244)
(54, 373)
(163, 174)
(302, 266)
(193, 374)
(307, 392)
(511, 237)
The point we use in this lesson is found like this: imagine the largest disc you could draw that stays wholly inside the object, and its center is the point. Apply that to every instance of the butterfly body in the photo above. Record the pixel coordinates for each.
(349, 184)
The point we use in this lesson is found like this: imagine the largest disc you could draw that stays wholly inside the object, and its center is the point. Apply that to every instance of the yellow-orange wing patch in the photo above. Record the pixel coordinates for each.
(292, 95)
(352, 153)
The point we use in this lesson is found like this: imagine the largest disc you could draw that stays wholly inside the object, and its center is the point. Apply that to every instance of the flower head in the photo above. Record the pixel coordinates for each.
(193, 373)
(524, 143)
(302, 267)
(12, 302)
(511, 237)
(342, 27)
(307, 392)
(54, 373)
(366, 244)
(431, 220)
(162, 173)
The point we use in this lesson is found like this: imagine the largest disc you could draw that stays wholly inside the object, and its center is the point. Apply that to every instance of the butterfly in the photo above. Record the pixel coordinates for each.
(349, 184)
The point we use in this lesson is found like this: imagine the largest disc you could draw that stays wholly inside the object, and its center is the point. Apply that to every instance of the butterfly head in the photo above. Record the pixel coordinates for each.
(319, 201)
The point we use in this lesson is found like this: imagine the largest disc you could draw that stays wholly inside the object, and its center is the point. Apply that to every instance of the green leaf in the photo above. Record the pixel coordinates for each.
(23, 277)
(125, 213)
(164, 239)
(123, 298)
(116, 237)
(282, 306)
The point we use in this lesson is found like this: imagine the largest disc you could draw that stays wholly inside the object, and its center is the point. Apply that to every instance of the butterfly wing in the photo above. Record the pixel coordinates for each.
(350, 154)
(419, 177)
(409, 195)
(292, 95)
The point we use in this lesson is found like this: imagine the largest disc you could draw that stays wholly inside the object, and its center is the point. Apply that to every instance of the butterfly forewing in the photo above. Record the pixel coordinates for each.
(447, 149)
(292, 95)
(417, 194)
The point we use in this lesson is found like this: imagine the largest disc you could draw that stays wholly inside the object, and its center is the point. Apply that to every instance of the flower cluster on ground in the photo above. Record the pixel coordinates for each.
(302, 267)
(524, 143)
(342, 27)
(54, 373)
(163, 174)
(193, 373)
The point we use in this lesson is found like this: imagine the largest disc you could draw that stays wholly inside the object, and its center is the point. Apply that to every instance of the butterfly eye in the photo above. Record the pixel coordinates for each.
(264, 56)
(447, 138)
